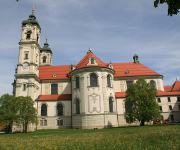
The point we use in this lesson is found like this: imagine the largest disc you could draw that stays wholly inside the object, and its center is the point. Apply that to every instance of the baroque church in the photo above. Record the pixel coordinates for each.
(89, 94)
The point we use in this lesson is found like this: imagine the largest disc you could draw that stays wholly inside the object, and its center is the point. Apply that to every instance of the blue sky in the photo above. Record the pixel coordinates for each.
(114, 29)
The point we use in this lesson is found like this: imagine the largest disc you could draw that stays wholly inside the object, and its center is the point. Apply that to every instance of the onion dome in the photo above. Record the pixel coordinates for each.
(31, 20)
(46, 48)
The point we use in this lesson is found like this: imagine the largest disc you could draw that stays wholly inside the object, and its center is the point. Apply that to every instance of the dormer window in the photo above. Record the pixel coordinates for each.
(28, 35)
(92, 60)
(110, 66)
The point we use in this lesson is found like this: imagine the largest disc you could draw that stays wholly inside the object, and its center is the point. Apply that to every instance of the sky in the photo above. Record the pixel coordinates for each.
(114, 29)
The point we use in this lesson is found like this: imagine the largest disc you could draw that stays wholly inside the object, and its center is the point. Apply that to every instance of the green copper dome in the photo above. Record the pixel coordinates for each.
(31, 20)
(46, 47)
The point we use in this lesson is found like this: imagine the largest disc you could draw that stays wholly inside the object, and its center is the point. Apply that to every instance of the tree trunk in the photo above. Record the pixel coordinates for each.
(142, 123)
(9, 128)
(23, 127)
(26, 127)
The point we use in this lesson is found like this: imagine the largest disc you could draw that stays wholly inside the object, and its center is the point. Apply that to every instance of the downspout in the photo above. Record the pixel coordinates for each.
(71, 102)
(37, 100)
(37, 116)
(71, 96)
(117, 113)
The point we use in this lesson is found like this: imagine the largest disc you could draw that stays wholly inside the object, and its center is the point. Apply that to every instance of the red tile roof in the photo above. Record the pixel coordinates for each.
(54, 72)
(167, 88)
(176, 86)
(159, 94)
(84, 62)
(164, 93)
(121, 69)
(120, 94)
(55, 97)
(132, 69)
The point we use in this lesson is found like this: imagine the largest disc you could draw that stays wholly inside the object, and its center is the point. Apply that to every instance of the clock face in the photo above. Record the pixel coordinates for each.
(25, 66)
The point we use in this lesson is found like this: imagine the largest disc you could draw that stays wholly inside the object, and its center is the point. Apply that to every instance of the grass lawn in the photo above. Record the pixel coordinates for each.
(126, 138)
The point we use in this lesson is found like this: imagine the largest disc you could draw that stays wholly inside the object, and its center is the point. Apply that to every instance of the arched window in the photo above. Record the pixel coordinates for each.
(153, 84)
(28, 35)
(44, 59)
(77, 83)
(93, 80)
(109, 80)
(77, 106)
(60, 110)
(43, 110)
(110, 104)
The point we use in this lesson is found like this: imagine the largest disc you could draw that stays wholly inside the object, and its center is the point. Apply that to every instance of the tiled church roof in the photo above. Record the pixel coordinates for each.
(55, 97)
(85, 61)
(132, 69)
(167, 88)
(165, 93)
(176, 86)
(121, 69)
(54, 72)
(170, 90)
(173, 90)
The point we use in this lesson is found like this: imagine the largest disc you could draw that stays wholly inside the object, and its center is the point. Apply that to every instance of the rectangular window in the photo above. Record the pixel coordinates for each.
(159, 100)
(160, 108)
(170, 107)
(24, 87)
(59, 122)
(92, 60)
(129, 83)
(54, 89)
(43, 122)
(172, 118)
(169, 99)
(77, 82)
(26, 55)
(178, 99)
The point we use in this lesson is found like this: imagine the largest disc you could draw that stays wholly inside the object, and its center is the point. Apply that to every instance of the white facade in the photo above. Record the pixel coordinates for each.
(90, 94)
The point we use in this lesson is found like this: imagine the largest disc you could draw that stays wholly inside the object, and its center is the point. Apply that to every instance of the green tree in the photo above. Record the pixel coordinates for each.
(27, 113)
(173, 5)
(140, 103)
(8, 111)
(18, 110)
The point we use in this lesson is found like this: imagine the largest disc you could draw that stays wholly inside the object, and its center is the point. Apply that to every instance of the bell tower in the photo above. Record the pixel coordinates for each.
(26, 83)
(45, 55)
